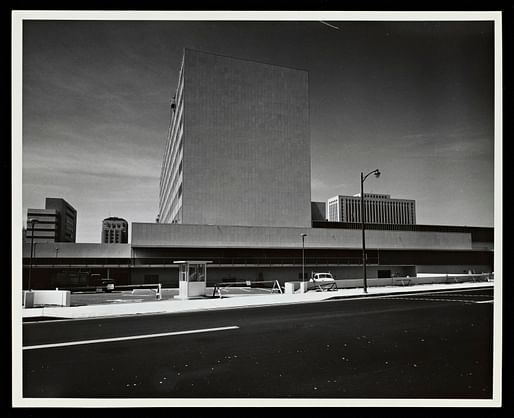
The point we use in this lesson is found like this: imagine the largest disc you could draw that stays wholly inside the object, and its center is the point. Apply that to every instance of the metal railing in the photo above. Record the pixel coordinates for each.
(157, 287)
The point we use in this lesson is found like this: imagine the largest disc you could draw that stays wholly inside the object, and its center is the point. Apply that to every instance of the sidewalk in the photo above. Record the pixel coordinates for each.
(239, 301)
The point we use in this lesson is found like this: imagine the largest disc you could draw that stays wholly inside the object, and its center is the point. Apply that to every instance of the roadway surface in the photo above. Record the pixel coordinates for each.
(425, 345)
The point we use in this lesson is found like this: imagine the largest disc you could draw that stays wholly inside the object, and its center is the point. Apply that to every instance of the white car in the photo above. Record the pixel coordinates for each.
(321, 278)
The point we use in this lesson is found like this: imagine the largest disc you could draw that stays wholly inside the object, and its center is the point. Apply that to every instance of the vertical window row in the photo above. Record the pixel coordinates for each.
(174, 145)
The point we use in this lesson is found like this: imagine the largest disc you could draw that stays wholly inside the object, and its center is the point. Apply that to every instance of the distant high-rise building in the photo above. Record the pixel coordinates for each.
(379, 209)
(56, 223)
(238, 149)
(114, 231)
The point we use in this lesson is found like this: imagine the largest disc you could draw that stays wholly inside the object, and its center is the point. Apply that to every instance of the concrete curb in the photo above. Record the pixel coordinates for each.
(195, 305)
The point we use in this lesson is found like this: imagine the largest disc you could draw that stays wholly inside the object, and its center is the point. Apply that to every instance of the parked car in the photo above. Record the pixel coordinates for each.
(102, 284)
(321, 277)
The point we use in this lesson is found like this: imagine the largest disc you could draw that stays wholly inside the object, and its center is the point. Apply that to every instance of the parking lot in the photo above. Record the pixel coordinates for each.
(147, 295)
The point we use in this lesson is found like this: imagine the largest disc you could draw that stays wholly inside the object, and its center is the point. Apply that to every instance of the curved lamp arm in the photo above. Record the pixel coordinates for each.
(375, 172)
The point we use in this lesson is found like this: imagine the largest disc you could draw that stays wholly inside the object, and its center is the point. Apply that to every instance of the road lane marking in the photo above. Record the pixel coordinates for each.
(133, 337)
(434, 299)
(442, 291)
(465, 295)
(442, 300)
(434, 292)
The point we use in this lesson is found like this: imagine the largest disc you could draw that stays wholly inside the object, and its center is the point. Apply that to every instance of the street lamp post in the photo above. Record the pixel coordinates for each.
(363, 222)
(32, 222)
(303, 256)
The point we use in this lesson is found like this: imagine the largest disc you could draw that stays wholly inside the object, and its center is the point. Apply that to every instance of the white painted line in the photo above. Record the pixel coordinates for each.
(466, 295)
(433, 292)
(441, 300)
(433, 299)
(133, 337)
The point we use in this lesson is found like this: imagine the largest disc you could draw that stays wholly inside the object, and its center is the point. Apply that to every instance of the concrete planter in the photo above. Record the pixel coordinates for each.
(33, 298)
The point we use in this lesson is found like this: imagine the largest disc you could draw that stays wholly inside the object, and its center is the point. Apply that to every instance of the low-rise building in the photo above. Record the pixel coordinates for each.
(379, 209)
(240, 253)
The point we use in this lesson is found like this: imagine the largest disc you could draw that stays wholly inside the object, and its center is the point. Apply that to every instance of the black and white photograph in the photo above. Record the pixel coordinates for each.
(223, 208)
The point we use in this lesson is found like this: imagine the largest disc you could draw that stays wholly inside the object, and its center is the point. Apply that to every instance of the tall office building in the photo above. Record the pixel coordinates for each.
(238, 149)
(379, 209)
(114, 231)
(56, 223)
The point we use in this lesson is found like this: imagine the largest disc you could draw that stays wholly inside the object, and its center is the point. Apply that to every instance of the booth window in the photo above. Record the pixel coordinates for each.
(197, 273)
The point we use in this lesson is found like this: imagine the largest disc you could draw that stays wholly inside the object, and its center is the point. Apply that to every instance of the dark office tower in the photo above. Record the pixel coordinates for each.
(67, 216)
(114, 231)
(238, 149)
(56, 223)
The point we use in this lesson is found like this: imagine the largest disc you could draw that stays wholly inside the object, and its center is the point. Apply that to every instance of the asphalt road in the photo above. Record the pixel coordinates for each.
(430, 345)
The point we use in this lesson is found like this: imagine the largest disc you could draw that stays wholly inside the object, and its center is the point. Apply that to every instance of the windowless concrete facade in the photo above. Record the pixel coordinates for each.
(239, 148)
(215, 236)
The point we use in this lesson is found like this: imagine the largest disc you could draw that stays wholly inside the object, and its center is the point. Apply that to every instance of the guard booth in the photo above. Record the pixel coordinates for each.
(192, 279)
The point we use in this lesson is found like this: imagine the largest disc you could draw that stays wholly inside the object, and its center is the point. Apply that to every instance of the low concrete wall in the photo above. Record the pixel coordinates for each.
(437, 270)
(46, 297)
(349, 283)
(60, 250)
(400, 281)
(454, 278)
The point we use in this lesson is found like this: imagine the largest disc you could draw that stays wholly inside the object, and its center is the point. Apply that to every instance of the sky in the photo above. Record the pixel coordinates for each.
(413, 99)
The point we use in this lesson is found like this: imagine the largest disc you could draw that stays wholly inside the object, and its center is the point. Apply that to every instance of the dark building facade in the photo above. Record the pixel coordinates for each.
(56, 223)
(114, 230)
(318, 211)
